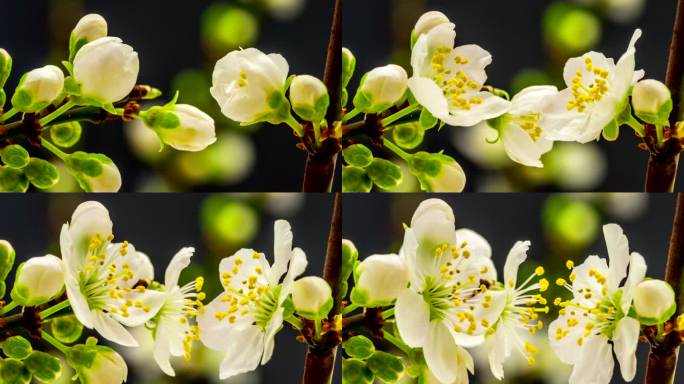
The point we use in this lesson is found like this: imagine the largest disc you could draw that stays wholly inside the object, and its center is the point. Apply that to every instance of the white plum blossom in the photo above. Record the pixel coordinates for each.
(522, 131)
(381, 88)
(448, 304)
(447, 80)
(379, 280)
(519, 315)
(195, 132)
(106, 69)
(173, 330)
(597, 92)
(38, 88)
(106, 283)
(38, 280)
(243, 321)
(596, 322)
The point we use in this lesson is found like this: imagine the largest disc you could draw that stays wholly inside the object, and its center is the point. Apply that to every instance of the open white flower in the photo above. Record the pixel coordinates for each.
(249, 85)
(598, 91)
(447, 81)
(243, 320)
(106, 283)
(522, 133)
(520, 314)
(173, 331)
(447, 301)
(595, 322)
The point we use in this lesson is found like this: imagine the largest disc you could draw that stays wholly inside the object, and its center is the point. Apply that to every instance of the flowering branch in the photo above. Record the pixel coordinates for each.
(662, 162)
(662, 357)
(320, 165)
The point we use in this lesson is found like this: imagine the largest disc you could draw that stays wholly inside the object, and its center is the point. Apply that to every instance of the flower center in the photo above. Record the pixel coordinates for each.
(456, 86)
(590, 93)
(529, 123)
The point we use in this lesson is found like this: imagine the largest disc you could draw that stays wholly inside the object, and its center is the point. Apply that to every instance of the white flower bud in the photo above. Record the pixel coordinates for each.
(379, 280)
(437, 172)
(91, 27)
(181, 126)
(381, 88)
(312, 297)
(38, 280)
(309, 98)
(38, 88)
(97, 364)
(652, 101)
(106, 69)
(249, 86)
(429, 20)
(94, 172)
(654, 301)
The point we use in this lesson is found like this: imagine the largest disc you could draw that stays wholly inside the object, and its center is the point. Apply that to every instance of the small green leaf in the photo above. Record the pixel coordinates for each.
(384, 173)
(14, 156)
(385, 366)
(359, 347)
(44, 367)
(12, 180)
(41, 173)
(355, 371)
(17, 347)
(355, 179)
(358, 155)
(13, 371)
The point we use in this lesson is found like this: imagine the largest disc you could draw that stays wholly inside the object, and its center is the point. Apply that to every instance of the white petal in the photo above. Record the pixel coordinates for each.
(274, 326)
(575, 64)
(559, 123)
(441, 353)
(586, 283)
(429, 95)
(152, 301)
(282, 249)
(283, 68)
(625, 341)
(475, 243)
(242, 265)
(491, 106)
(516, 256)
(243, 352)
(637, 272)
(498, 351)
(413, 317)
(111, 330)
(618, 254)
(179, 262)
(161, 352)
(215, 333)
(297, 266)
(595, 365)
(430, 205)
(478, 58)
(521, 148)
(531, 99)
(568, 348)
(78, 302)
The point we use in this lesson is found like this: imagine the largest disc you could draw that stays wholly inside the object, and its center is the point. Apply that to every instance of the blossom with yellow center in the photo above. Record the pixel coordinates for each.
(243, 320)
(595, 322)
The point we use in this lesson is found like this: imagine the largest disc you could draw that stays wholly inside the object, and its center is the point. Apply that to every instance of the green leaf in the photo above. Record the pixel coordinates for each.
(14, 156)
(66, 329)
(358, 155)
(12, 180)
(384, 173)
(17, 347)
(41, 173)
(355, 371)
(385, 366)
(13, 371)
(44, 367)
(355, 179)
(359, 347)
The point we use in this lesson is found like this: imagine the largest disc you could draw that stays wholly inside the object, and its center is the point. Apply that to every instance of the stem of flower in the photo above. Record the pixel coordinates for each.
(294, 124)
(636, 126)
(54, 342)
(8, 307)
(52, 148)
(397, 342)
(350, 308)
(398, 151)
(388, 313)
(295, 322)
(56, 113)
(44, 314)
(660, 136)
(318, 328)
(8, 115)
(350, 115)
(398, 115)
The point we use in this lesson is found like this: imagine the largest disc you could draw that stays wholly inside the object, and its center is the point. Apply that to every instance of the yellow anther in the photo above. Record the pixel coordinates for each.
(569, 264)
(539, 271)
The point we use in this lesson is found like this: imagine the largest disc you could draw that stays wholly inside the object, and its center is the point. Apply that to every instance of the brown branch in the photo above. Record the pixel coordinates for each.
(662, 357)
(662, 162)
(319, 170)
(320, 356)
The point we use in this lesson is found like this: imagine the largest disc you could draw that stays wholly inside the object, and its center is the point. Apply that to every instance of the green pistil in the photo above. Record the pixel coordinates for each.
(267, 306)
(437, 296)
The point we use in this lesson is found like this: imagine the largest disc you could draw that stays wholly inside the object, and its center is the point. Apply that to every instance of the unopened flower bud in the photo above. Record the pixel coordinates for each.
(38, 88)
(437, 172)
(182, 126)
(5, 66)
(91, 27)
(348, 66)
(7, 256)
(379, 280)
(106, 70)
(312, 297)
(652, 101)
(654, 301)
(94, 172)
(429, 20)
(381, 88)
(309, 98)
(39, 280)
(97, 364)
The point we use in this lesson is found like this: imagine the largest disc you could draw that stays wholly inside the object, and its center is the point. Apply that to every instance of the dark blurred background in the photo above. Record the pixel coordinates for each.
(178, 43)
(159, 225)
(560, 227)
(529, 41)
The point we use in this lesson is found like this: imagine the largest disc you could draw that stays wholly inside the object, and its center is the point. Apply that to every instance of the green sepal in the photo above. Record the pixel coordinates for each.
(661, 117)
(44, 367)
(17, 347)
(358, 155)
(41, 173)
(651, 321)
(348, 67)
(385, 366)
(355, 371)
(66, 135)
(14, 156)
(359, 347)
(384, 173)
(74, 46)
(409, 135)
(322, 312)
(611, 131)
(427, 120)
(67, 329)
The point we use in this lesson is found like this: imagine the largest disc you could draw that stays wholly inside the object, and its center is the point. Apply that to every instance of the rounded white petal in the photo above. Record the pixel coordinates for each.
(310, 294)
(595, 365)
(441, 352)
(275, 325)
(90, 27)
(618, 254)
(178, 263)
(522, 148)
(584, 283)
(413, 318)
(429, 95)
(195, 133)
(477, 245)
(282, 249)
(491, 106)
(516, 256)
(243, 352)
(498, 350)
(637, 272)
(429, 20)
(112, 330)
(625, 341)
